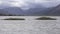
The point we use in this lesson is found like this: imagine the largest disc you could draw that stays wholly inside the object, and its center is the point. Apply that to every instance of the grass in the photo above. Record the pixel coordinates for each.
(45, 18)
(14, 19)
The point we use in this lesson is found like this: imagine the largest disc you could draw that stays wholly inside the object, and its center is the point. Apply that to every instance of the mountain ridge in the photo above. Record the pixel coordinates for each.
(41, 11)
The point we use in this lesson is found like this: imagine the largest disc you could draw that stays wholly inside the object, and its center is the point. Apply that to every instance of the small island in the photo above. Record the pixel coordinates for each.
(45, 18)
(14, 19)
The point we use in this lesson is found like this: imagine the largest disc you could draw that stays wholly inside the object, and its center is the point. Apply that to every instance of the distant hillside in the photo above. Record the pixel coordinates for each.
(36, 11)
(15, 11)
(52, 11)
(11, 11)
(55, 11)
(39, 11)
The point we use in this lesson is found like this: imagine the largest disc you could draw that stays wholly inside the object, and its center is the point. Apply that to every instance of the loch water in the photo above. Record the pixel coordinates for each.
(29, 25)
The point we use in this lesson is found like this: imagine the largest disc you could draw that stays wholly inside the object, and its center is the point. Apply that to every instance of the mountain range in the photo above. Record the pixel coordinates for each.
(36, 11)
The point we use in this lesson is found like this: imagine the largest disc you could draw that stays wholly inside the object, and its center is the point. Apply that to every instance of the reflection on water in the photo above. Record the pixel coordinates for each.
(29, 26)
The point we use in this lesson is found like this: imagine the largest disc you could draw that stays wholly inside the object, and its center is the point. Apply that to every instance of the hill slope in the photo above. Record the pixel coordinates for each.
(11, 11)
(55, 11)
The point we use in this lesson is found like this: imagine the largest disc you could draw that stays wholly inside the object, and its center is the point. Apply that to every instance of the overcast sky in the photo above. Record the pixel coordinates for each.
(20, 3)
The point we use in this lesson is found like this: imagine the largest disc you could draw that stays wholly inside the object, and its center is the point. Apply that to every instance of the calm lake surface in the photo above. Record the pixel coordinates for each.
(29, 26)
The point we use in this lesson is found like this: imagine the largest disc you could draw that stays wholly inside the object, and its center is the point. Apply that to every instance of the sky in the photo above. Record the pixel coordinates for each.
(25, 3)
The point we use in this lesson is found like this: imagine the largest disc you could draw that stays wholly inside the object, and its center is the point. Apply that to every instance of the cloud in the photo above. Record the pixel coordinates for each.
(25, 3)
(0, 2)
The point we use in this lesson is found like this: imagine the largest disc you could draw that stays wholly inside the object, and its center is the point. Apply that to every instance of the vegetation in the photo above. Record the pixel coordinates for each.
(45, 18)
(14, 19)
